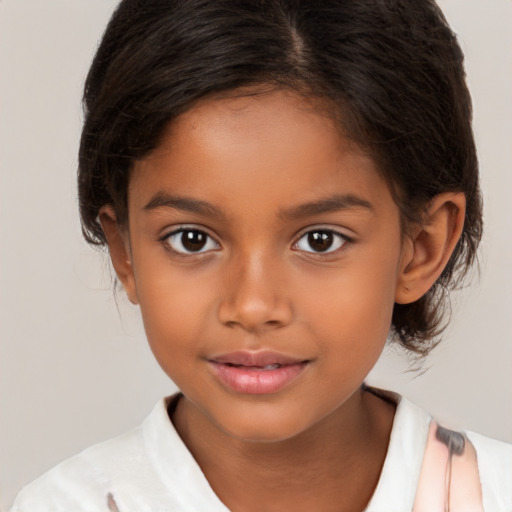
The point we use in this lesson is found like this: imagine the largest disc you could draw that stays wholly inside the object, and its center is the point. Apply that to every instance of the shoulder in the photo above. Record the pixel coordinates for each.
(92, 480)
(495, 469)
(408, 451)
(144, 470)
(83, 481)
(490, 459)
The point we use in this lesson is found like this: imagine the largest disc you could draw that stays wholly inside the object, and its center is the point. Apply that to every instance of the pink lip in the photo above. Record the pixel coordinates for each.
(257, 373)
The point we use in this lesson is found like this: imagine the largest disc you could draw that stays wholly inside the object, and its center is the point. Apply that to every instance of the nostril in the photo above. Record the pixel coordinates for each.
(254, 326)
(231, 324)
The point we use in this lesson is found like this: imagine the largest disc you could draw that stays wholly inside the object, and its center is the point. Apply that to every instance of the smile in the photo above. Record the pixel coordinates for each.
(256, 373)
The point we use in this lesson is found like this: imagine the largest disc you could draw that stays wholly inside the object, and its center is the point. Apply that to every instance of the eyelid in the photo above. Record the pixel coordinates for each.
(312, 229)
(175, 230)
(337, 230)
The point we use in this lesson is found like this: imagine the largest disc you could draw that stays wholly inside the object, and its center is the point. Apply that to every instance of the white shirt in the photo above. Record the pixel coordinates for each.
(149, 469)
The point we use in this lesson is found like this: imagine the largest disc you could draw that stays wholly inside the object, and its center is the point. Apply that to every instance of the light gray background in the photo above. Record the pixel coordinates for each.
(74, 370)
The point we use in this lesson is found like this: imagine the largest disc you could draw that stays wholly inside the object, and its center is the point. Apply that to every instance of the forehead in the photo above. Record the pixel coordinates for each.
(275, 146)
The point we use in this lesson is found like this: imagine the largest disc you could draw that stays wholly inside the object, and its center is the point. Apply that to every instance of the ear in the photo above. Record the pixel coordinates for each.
(119, 249)
(426, 252)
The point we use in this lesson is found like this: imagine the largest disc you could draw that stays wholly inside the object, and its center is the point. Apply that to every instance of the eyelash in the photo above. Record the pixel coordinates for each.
(337, 239)
(166, 240)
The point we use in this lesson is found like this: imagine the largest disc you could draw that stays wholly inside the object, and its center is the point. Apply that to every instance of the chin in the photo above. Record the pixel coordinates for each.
(261, 428)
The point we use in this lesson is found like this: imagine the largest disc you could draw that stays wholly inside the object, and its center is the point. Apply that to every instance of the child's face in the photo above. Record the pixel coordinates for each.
(261, 238)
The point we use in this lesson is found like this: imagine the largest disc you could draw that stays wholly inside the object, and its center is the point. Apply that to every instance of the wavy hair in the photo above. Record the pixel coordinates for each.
(391, 72)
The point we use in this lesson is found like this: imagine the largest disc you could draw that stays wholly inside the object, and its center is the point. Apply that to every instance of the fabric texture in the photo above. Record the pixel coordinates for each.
(449, 479)
(149, 469)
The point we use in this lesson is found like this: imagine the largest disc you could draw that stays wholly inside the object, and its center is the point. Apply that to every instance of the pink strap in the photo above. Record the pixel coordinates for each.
(449, 479)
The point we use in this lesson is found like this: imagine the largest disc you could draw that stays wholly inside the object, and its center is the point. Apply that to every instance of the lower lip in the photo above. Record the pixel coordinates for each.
(244, 379)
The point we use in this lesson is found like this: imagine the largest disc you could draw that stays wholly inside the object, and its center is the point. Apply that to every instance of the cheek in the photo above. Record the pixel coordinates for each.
(175, 311)
(354, 305)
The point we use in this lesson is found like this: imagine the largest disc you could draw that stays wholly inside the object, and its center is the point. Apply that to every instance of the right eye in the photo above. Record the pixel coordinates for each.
(321, 241)
(190, 241)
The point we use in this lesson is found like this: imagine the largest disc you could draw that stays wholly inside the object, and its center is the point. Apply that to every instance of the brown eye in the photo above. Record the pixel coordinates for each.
(193, 241)
(321, 241)
(190, 241)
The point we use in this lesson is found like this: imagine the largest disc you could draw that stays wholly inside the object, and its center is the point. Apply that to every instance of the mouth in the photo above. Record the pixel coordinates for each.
(257, 373)
(256, 368)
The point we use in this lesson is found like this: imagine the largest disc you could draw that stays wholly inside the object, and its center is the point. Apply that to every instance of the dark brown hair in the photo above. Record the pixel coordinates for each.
(391, 69)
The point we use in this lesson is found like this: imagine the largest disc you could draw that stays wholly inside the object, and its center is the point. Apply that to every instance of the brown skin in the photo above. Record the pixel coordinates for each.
(320, 442)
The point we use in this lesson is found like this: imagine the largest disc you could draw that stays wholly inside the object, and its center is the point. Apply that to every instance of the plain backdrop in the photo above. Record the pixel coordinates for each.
(75, 367)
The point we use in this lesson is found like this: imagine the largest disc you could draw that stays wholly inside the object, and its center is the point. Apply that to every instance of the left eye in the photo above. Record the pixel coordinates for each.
(320, 241)
(191, 241)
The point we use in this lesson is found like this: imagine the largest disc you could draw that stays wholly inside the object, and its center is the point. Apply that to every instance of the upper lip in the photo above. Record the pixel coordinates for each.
(262, 358)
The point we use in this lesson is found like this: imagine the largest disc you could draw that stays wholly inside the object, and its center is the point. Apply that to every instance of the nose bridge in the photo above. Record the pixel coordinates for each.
(254, 295)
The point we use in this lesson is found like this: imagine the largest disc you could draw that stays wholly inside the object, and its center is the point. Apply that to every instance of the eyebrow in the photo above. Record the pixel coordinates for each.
(329, 204)
(186, 204)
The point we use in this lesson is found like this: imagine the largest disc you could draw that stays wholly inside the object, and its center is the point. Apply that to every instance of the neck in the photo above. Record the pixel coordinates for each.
(334, 465)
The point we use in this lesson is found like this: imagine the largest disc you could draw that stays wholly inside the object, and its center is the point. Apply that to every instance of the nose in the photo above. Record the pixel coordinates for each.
(255, 295)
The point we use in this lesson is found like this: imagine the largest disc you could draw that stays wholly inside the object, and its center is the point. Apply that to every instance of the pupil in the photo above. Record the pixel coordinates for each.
(320, 240)
(193, 240)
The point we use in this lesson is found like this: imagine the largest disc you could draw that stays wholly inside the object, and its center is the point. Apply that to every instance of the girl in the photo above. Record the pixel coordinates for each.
(282, 186)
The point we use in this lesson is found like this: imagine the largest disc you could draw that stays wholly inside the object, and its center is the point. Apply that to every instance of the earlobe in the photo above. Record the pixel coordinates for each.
(119, 249)
(427, 251)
